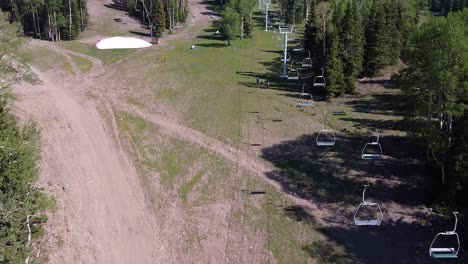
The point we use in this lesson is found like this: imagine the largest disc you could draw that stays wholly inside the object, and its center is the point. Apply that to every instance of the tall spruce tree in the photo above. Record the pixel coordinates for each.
(158, 15)
(352, 43)
(311, 40)
(377, 40)
(334, 66)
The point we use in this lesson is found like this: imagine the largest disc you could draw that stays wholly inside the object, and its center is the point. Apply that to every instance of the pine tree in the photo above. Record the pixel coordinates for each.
(352, 42)
(158, 16)
(311, 41)
(230, 24)
(392, 30)
(334, 66)
(377, 40)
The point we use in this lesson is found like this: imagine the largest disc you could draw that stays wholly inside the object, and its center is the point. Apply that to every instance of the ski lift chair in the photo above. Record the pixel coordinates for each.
(366, 151)
(446, 252)
(371, 220)
(319, 81)
(293, 74)
(288, 57)
(307, 62)
(325, 137)
(339, 112)
(305, 99)
(299, 47)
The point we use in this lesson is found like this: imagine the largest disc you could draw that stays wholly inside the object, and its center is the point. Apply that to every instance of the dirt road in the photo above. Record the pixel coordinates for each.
(101, 215)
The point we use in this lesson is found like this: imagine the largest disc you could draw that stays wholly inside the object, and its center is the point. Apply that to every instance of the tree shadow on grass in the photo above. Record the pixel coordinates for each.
(383, 104)
(140, 33)
(392, 242)
(212, 45)
(334, 174)
(117, 5)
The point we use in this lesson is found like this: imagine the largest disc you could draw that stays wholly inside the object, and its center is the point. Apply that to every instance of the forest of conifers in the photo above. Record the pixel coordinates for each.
(58, 20)
(49, 19)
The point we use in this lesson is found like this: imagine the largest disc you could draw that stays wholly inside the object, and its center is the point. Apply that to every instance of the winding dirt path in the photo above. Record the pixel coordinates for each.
(101, 216)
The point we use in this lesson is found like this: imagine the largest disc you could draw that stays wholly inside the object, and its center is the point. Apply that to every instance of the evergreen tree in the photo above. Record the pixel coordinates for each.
(311, 38)
(20, 202)
(159, 18)
(230, 24)
(49, 19)
(378, 39)
(393, 22)
(352, 42)
(334, 66)
(436, 80)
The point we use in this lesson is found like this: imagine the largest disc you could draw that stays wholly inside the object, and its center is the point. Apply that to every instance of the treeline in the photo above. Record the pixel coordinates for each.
(435, 82)
(352, 38)
(447, 6)
(21, 203)
(237, 18)
(162, 15)
(54, 20)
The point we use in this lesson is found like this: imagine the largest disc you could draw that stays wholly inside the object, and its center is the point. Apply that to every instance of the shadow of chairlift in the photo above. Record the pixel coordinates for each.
(339, 110)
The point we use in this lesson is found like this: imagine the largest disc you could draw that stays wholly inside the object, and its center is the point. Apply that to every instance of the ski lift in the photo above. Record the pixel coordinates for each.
(307, 62)
(372, 150)
(325, 137)
(284, 29)
(319, 81)
(339, 110)
(305, 99)
(288, 57)
(293, 74)
(446, 252)
(372, 220)
(299, 47)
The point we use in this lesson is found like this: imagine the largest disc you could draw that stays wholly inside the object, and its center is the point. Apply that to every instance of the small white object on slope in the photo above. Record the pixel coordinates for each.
(122, 43)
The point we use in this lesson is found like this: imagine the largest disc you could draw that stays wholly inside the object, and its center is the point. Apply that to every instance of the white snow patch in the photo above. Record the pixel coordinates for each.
(122, 43)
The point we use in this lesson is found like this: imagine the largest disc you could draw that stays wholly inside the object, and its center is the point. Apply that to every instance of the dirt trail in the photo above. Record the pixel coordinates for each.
(101, 216)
